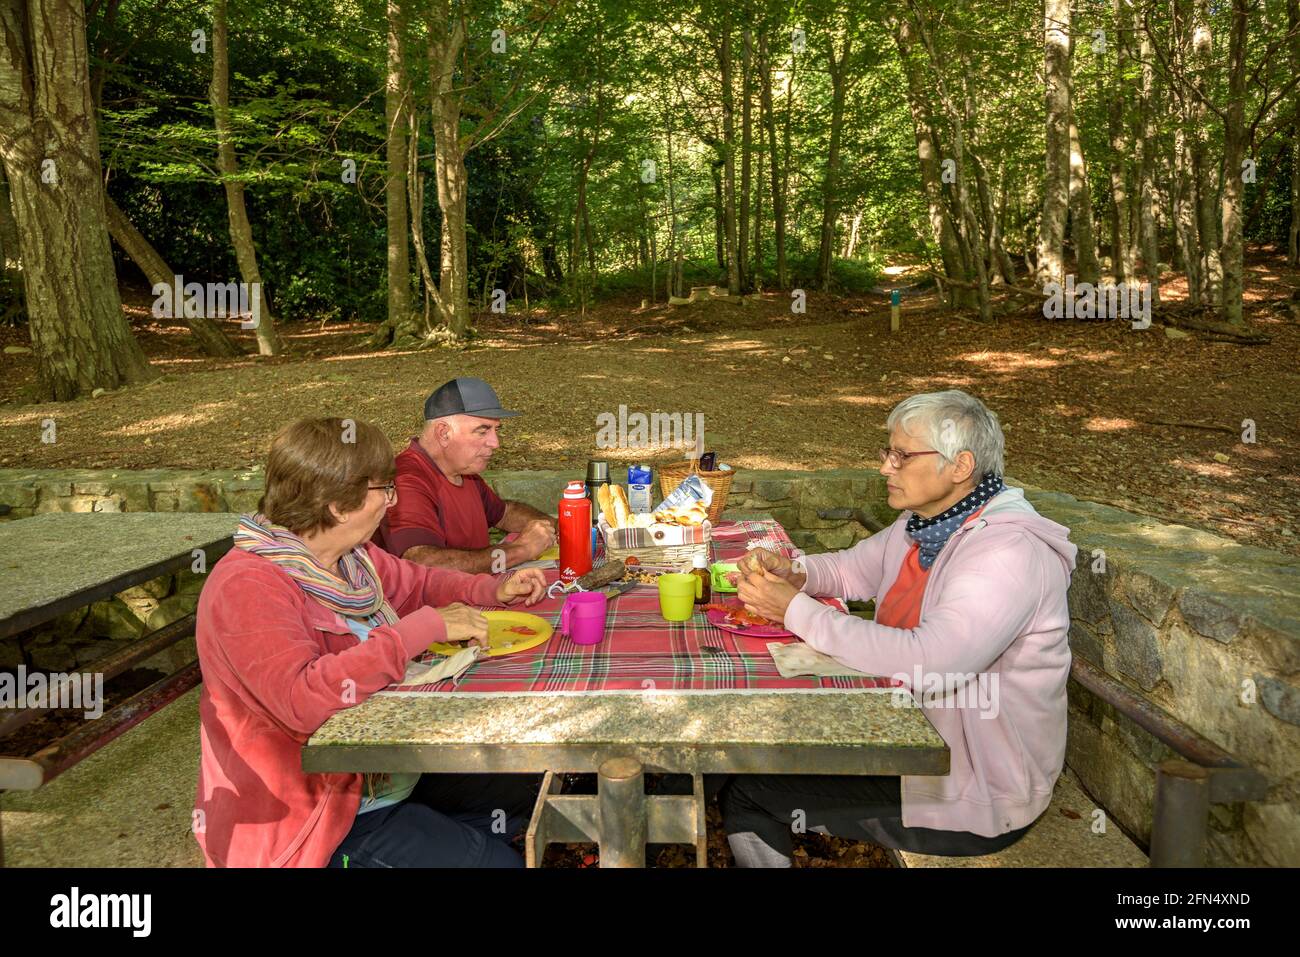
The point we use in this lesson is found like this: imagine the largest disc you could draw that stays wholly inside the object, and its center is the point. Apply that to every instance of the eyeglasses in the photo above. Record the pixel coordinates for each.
(390, 491)
(897, 458)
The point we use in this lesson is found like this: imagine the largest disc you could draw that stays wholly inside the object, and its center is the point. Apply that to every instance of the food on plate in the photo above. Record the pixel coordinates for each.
(522, 630)
(631, 560)
(738, 617)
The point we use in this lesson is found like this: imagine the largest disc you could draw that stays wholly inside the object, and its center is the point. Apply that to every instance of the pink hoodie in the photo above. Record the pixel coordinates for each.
(994, 607)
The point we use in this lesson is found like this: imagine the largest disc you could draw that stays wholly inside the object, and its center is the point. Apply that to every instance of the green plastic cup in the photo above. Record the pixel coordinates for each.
(677, 594)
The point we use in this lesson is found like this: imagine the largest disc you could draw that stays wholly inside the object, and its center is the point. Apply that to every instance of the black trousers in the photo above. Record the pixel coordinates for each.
(450, 820)
(866, 808)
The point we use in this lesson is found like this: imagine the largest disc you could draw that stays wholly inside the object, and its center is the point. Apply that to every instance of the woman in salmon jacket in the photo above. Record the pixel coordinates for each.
(970, 589)
(303, 618)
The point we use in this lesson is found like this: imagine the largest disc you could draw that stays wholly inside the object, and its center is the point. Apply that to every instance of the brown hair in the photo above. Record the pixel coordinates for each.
(318, 462)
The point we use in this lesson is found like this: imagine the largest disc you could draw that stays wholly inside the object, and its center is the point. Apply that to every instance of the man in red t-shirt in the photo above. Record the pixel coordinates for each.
(444, 508)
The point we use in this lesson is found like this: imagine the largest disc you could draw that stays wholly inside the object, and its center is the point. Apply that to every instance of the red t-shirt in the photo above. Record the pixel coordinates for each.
(901, 607)
(432, 510)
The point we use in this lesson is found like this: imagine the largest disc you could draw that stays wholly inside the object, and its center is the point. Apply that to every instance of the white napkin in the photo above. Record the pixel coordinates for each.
(797, 659)
(452, 667)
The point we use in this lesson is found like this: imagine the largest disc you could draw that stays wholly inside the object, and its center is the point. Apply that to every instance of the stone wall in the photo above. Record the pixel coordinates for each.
(1206, 628)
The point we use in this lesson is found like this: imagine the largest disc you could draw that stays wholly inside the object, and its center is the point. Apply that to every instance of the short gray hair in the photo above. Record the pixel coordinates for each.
(954, 422)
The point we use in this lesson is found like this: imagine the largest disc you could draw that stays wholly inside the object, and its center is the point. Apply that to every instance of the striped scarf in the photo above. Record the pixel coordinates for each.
(354, 591)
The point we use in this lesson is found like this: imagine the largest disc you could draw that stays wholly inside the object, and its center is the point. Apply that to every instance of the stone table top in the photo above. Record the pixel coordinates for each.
(792, 731)
(57, 561)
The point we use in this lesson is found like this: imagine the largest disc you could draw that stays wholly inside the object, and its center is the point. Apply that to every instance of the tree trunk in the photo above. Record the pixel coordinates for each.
(1123, 260)
(415, 207)
(1293, 232)
(851, 243)
(941, 225)
(397, 105)
(1184, 179)
(1056, 179)
(1231, 254)
(674, 276)
(1085, 237)
(998, 261)
(969, 235)
(580, 231)
(1148, 226)
(782, 266)
(241, 231)
(756, 273)
(729, 160)
(1203, 173)
(719, 210)
(211, 338)
(446, 37)
(50, 149)
(830, 198)
(746, 134)
(774, 163)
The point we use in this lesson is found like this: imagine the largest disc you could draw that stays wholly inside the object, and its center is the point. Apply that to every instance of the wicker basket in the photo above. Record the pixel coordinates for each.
(660, 554)
(656, 554)
(673, 474)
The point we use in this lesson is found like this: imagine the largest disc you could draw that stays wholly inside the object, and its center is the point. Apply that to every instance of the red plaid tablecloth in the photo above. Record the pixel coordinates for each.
(643, 652)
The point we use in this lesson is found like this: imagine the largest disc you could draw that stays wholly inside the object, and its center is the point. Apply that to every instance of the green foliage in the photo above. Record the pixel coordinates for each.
(593, 108)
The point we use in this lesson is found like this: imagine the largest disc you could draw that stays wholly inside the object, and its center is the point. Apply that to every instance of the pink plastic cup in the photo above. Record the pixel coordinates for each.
(583, 617)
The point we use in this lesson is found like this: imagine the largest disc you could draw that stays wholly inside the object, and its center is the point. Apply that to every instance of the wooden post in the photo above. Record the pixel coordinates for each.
(895, 320)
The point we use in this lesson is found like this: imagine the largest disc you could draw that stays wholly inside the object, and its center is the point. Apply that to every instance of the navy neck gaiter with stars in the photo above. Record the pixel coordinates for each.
(931, 534)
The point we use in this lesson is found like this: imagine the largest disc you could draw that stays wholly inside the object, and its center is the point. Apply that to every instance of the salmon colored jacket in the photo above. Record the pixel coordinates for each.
(276, 664)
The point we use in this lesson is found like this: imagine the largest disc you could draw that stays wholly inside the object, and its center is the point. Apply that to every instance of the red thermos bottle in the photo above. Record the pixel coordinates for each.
(575, 532)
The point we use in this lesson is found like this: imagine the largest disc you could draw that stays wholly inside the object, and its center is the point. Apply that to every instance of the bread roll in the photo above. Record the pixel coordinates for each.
(697, 514)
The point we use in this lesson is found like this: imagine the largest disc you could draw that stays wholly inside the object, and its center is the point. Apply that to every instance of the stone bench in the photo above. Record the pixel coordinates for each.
(1062, 837)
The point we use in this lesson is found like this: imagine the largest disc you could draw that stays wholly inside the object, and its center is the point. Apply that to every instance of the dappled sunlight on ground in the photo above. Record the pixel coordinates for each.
(1008, 361)
(1103, 424)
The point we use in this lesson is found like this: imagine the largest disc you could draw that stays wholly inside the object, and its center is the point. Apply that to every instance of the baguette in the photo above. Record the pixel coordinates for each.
(622, 511)
(605, 500)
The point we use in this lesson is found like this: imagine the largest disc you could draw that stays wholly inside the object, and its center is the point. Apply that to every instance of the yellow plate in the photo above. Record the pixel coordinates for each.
(501, 640)
(552, 554)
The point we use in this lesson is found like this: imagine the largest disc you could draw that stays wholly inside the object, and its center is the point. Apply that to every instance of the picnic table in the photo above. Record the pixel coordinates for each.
(682, 698)
(57, 562)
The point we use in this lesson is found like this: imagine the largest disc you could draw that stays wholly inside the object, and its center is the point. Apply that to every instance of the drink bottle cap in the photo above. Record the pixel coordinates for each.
(700, 561)
(575, 490)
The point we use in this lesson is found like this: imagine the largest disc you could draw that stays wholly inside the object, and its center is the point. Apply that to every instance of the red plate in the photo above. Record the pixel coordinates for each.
(719, 620)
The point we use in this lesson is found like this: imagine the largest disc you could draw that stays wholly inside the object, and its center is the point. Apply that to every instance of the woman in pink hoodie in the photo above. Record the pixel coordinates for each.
(970, 589)
(303, 618)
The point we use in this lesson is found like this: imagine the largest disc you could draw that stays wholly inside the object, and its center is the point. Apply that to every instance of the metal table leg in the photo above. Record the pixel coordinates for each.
(622, 804)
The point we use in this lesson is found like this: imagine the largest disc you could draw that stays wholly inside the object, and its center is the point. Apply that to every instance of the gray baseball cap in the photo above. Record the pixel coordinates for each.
(468, 396)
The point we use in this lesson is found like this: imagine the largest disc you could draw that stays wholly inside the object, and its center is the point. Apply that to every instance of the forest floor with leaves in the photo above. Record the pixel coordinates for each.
(1136, 419)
